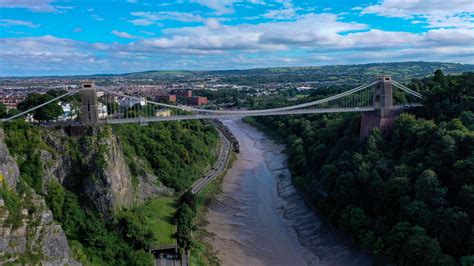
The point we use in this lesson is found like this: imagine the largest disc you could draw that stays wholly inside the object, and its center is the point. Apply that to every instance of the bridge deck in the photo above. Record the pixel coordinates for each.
(236, 114)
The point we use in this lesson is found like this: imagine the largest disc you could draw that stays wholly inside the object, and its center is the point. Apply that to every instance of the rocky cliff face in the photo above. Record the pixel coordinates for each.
(38, 240)
(35, 238)
(58, 165)
(8, 167)
(107, 181)
(109, 185)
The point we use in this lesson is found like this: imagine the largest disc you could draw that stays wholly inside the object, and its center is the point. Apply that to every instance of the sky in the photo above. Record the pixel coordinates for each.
(48, 37)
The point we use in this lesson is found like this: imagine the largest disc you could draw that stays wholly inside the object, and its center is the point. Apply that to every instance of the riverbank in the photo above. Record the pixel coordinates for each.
(202, 252)
(260, 219)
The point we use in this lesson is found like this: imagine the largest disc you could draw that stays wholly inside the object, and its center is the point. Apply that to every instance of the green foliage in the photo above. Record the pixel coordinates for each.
(13, 205)
(408, 194)
(429, 190)
(157, 215)
(184, 219)
(134, 230)
(177, 152)
(24, 143)
(45, 113)
(467, 261)
(3, 111)
(121, 241)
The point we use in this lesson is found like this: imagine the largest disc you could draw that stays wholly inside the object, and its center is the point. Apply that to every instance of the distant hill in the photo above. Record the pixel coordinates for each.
(402, 71)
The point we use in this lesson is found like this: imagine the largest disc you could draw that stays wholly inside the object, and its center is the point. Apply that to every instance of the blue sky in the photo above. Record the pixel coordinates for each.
(47, 37)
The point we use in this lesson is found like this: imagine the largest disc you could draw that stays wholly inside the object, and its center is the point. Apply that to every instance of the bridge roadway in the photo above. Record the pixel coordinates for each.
(235, 114)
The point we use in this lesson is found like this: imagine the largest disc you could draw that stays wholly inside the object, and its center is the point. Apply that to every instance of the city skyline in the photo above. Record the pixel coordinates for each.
(48, 37)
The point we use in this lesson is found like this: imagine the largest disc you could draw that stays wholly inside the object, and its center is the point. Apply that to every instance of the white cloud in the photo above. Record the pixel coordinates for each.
(96, 17)
(438, 13)
(152, 18)
(148, 32)
(122, 34)
(47, 53)
(288, 13)
(220, 6)
(13, 22)
(306, 40)
(33, 5)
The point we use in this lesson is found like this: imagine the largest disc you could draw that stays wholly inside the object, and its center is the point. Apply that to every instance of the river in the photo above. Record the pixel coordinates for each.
(260, 219)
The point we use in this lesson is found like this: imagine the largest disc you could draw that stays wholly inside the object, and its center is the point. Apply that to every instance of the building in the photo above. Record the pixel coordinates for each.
(183, 93)
(163, 113)
(11, 101)
(68, 112)
(128, 102)
(168, 98)
(102, 110)
(197, 100)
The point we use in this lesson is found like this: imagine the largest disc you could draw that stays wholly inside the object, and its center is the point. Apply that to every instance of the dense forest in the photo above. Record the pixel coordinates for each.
(407, 195)
(177, 152)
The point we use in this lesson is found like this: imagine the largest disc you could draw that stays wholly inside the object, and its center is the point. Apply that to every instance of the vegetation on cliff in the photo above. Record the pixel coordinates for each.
(408, 195)
(178, 153)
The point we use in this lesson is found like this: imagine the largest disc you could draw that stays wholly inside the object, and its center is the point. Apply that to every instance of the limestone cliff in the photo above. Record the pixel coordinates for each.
(28, 232)
(93, 166)
(109, 184)
(106, 180)
(8, 167)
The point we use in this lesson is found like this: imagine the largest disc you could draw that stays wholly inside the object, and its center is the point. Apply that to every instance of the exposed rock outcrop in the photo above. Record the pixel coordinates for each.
(58, 165)
(35, 238)
(8, 167)
(38, 240)
(111, 184)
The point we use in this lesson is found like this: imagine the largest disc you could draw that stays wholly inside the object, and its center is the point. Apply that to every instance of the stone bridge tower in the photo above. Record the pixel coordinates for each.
(384, 114)
(89, 113)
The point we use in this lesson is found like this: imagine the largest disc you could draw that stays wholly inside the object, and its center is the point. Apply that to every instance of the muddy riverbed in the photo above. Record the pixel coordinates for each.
(260, 219)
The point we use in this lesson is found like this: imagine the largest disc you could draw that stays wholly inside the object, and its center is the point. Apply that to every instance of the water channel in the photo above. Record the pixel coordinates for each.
(260, 218)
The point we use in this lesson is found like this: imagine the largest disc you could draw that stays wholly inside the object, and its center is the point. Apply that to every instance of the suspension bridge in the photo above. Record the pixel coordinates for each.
(100, 105)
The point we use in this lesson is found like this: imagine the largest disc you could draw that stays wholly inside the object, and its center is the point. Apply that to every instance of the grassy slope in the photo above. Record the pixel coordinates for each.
(159, 214)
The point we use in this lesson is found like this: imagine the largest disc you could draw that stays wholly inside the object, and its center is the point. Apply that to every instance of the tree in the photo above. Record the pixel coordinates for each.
(3, 111)
(353, 221)
(412, 246)
(55, 199)
(184, 221)
(134, 230)
(453, 229)
(439, 77)
(429, 190)
(45, 113)
(467, 261)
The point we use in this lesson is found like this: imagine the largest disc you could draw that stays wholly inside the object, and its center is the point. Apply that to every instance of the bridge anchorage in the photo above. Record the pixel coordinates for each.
(99, 105)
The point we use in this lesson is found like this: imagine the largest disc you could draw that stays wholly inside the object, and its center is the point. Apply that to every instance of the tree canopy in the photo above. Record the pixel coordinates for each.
(45, 113)
(408, 194)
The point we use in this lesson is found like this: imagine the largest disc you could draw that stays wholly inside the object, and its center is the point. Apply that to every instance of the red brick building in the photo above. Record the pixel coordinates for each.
(183, 93)
(170, 98)
(197, 100)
